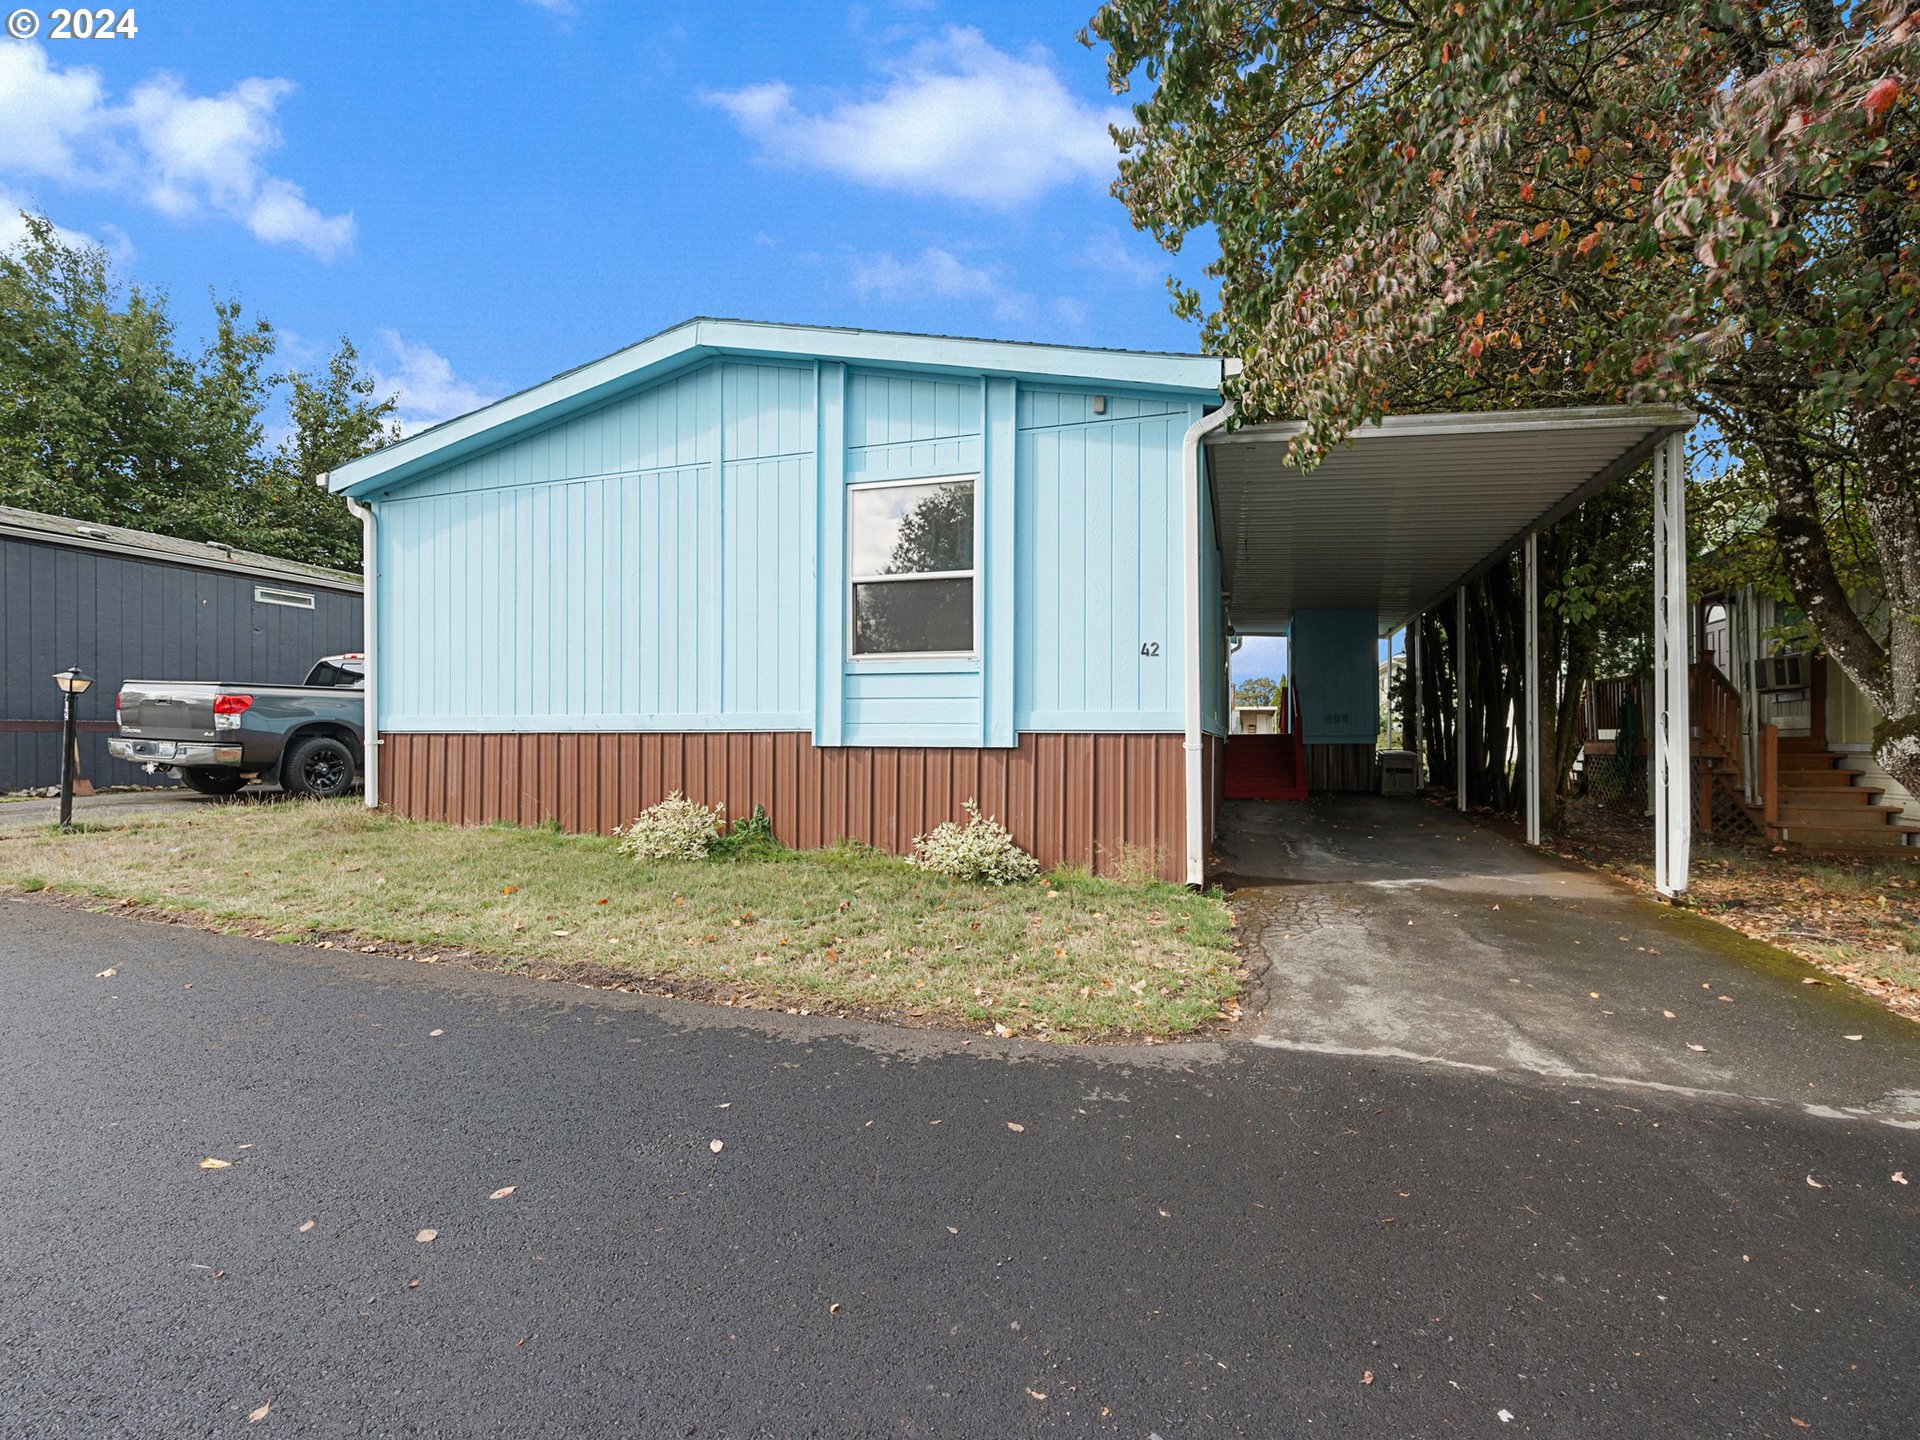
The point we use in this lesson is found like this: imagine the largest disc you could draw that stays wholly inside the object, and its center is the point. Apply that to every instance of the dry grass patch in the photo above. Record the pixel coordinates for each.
(839, 931)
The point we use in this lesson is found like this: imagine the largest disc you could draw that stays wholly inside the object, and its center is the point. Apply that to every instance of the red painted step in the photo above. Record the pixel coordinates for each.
(1262, 767)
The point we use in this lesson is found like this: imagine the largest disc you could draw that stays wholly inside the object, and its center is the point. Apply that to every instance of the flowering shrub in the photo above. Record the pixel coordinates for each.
(675, 829)
(979, 850)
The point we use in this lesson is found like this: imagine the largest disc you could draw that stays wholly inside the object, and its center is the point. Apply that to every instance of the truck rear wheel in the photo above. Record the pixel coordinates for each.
(210, 780)
(320, 766)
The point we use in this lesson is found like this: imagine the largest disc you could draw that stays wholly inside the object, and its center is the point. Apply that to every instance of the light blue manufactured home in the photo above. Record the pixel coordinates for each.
(863, 578)
(858, 578)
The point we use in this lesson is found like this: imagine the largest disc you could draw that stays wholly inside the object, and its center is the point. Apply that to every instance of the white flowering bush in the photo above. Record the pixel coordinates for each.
(675, 829)
(980, 850)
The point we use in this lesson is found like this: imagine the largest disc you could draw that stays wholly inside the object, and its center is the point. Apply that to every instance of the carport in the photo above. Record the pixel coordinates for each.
(1398, 521)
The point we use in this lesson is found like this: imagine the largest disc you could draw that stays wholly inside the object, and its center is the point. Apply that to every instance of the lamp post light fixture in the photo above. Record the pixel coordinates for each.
(73, 682)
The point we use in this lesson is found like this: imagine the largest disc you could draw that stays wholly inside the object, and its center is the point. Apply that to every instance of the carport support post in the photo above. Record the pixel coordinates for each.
(1460, 699)
(1417, 741)
(1531, 730)
(1672, 728)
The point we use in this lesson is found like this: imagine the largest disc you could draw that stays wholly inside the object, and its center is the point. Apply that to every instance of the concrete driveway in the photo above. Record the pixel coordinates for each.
(1399, 929)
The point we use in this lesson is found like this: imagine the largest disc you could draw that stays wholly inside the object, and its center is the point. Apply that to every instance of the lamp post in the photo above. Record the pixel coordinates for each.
(73, 683)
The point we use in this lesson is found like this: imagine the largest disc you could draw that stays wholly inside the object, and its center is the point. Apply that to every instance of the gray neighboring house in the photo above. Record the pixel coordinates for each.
(126, 605)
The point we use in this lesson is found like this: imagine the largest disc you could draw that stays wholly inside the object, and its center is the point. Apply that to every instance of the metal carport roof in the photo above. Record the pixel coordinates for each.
(1398, 516)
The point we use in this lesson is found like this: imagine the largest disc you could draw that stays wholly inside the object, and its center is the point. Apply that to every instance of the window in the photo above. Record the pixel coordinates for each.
(344, 675)
(297, 599)
(910, 567)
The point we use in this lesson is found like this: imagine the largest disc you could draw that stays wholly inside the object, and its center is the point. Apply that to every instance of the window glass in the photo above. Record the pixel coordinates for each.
(334, 675)
(912, 529)
(910, 617)
(910, 567)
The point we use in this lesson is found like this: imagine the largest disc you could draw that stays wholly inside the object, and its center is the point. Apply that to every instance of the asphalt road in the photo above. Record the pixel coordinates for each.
(1204, 1240)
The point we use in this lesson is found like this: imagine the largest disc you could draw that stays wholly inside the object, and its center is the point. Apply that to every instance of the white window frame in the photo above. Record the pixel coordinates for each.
(292, 599)
(972, 576)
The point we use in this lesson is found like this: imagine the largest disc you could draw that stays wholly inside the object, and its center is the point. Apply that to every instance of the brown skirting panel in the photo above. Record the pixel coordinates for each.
(1340, 768)
(1068, 799)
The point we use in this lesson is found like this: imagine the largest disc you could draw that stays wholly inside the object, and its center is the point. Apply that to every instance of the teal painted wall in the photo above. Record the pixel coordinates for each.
(1335, 659)
(675, 560)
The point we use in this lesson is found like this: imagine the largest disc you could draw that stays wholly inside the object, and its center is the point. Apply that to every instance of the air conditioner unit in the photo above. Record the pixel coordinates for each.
(1781, 672)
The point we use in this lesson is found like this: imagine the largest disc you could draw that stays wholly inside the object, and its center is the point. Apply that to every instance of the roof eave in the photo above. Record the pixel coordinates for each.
(698, 340)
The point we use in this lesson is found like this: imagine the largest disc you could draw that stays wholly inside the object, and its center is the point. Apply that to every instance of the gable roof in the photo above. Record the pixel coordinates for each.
(697, 340)
(144, 545)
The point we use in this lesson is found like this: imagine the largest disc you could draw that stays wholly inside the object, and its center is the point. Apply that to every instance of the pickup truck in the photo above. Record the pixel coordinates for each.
(217, 737)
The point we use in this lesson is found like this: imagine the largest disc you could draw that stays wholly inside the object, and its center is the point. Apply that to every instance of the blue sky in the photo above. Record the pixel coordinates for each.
(484, 194)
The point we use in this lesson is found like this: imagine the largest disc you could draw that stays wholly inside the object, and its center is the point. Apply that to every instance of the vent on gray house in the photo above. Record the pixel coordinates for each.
(297, 599)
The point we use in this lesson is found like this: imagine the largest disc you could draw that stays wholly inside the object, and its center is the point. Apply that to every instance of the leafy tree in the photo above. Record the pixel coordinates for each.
(1257, 691)
(1516, 201)
(104, 416)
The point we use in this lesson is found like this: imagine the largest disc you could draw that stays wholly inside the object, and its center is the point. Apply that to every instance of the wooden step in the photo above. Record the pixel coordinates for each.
(1831, 797)
(1833, 817)
(1834, 801)
(1802, 764)
(1812, 837)
(1823, 780)
(1802, 744)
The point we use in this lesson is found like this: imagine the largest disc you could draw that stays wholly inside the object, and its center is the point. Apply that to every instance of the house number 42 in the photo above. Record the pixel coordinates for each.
(1150, 647)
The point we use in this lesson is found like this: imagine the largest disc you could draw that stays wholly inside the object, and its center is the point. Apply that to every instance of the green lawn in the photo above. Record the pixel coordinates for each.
(842, 931)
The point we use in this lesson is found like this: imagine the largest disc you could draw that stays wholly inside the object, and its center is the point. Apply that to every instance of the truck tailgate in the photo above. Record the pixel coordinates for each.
(163, 710)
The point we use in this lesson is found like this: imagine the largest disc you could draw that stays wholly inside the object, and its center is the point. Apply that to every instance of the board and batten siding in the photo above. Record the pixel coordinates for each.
(673, 561)
(641, 566)
(123, 617)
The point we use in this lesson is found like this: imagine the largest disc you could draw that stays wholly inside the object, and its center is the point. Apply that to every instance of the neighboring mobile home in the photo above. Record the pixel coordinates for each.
(124, 605)
(863, 578)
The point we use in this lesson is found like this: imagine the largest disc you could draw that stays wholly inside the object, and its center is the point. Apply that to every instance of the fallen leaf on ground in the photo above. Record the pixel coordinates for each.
(413, 1284)
(433, 1034)
(1853, 1037)
(106, 974)
(1701, 1049)
(212, 1164)
(1016, 1127)
(1811, 980)
(259, 1412)
(834, 1308)
(1815, 1183)
(1801, 1423)
(305, 1226)
(1037, 1394)
(1366, 1377)
(1669, 1014)
(1899, 1177)
(424, 1236)
(716, 1146)
(502, 1192)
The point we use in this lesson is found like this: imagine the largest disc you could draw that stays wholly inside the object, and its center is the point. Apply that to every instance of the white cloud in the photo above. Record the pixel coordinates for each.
(180, 153)
(956, 118)
(938, 274)
(423, 378)
(1109, 254)
(14, 209)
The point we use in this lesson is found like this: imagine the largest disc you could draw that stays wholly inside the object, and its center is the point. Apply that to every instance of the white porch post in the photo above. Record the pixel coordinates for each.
(1672, 722)
(1460, 699)
(1532, 689)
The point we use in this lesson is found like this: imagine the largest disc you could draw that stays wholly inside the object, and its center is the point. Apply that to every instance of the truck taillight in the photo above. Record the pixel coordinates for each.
(116, 705)
(227, 710)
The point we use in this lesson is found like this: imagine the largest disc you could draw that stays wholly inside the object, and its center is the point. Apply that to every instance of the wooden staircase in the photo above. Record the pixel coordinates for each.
(1816, 803)
(1268, 767)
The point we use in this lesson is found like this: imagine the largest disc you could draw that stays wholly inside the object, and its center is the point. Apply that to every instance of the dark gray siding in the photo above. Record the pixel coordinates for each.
(122, 618)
